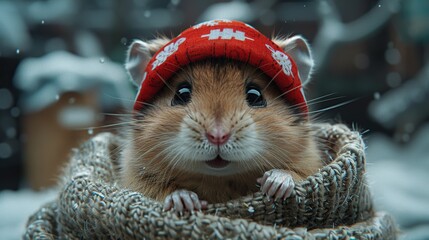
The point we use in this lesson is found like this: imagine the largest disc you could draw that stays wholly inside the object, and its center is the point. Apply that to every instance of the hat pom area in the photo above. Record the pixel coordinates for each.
(225, 39)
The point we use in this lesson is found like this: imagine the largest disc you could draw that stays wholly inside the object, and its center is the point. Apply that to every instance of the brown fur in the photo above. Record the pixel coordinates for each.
(218, 96)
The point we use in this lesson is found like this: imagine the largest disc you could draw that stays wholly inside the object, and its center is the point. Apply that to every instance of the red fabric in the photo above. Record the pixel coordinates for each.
(222, 39)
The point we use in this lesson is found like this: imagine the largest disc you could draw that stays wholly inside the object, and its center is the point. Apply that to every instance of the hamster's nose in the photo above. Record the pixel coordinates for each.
(217, 136)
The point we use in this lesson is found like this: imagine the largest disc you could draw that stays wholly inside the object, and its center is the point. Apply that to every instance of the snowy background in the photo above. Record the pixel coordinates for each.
(61, 79)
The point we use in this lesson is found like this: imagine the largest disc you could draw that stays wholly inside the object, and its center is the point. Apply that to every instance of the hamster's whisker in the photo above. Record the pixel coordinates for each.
(139, 122)
(154, 159)
(105, 126)
(119, 148)
(178, 159)
(130, 100)
(322, 97)
(271, 80)
(262, 159)
(119, 98)
(165, 83)
(314, 101)
(117, 114)
(262, 116)
(167, 152)
(152, 136)
(284, 161)
(263, 65)
(148, 104)
(284, 93)
(189, 112)
(173, 160)
(330, 108)
(140, 152)
(183, 70)
(255, 70)
(267, 163)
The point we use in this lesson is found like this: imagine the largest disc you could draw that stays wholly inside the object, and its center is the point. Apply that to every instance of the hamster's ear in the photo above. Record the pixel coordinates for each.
(139, 55)
(298, 48)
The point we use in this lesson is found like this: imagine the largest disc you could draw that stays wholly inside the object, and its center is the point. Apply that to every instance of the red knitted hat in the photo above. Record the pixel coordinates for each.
(223, 39)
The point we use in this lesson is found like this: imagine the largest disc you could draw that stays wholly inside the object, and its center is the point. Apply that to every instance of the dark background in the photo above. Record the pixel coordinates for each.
(386, 53)
(372, 55)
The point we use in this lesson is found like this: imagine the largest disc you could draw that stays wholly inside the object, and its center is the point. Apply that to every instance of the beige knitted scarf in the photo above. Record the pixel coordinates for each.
(334, 203)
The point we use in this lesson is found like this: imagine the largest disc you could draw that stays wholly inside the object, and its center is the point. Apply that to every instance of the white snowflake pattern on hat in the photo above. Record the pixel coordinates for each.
(226, 34)
(166, 52)
(282, 59)
(211, 23)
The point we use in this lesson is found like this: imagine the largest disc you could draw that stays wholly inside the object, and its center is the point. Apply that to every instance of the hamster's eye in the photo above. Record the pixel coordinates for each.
(254, 97)
(182, 95)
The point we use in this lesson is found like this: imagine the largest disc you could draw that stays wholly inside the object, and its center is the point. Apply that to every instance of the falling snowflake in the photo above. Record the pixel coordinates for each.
(282, 59)
(168, 51)
(211, 23)
(251, 209)
(376, 95)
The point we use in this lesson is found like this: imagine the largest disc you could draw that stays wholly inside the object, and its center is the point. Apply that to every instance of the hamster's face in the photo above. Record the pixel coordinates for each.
(219, 118)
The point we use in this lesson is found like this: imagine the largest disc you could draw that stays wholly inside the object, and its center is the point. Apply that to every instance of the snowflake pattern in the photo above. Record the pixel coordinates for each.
(168, 51)
(211, 23)
(226, 34)
(282, 59)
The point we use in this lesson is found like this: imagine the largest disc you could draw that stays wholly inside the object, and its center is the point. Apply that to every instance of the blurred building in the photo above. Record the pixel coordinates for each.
(61, 67)
(363, 50)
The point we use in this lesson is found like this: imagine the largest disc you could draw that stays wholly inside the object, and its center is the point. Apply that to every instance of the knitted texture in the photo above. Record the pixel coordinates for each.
(334, 203)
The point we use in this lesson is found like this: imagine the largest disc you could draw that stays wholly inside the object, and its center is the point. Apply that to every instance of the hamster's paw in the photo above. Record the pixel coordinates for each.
(277, 184)
(183, 200)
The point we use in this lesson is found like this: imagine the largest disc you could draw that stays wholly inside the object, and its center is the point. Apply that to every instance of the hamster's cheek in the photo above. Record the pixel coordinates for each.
(245, 144)
(167, 120)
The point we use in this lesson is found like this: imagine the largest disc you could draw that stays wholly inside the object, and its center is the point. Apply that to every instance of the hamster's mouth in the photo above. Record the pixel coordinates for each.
(218, 162)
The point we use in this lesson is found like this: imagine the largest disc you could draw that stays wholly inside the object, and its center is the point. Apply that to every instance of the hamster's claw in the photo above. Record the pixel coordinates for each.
(277, 184)
(183, 200)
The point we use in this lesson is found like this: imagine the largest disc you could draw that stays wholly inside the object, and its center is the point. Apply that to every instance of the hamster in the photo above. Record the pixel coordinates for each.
(218, 130)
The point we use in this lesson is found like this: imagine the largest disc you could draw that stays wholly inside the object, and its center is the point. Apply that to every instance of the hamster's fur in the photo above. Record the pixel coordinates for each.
(167, 147)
